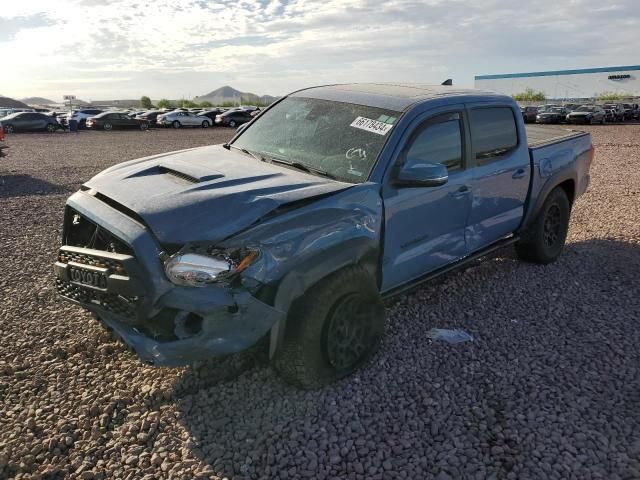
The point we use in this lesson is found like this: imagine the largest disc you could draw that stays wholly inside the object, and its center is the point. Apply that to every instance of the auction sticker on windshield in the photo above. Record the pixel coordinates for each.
(373, 126)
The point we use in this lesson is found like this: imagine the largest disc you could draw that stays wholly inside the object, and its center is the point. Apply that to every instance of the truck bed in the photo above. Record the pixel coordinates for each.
(542, 135)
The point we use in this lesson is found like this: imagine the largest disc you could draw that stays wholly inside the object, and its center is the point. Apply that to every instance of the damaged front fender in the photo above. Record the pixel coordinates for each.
(301, 247)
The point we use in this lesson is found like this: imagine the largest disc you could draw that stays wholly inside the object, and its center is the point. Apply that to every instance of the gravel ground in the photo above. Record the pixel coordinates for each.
(549, 388)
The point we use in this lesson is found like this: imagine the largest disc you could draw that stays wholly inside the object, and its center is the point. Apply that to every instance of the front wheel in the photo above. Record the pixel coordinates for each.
(8, 129)
(176, 124)
(51, 127)
(205, 124)
(144, 126)
(544, 240)
(232, 124)
(331, 330)
(108, 126)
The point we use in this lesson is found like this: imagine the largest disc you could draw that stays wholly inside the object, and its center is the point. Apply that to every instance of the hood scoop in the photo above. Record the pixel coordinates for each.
(184, 176)
(190, 172)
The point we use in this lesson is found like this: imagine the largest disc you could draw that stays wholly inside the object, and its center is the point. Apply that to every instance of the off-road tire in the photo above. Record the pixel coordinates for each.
(304, 358)
(544, 240)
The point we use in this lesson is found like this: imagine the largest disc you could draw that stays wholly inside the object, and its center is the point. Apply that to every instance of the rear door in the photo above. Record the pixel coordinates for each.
(425, 226)
(500, 176)
(191, 119)
(126, 121)
(40, 121)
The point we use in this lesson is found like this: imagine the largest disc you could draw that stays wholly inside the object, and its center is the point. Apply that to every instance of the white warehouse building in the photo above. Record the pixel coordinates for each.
(567, 84)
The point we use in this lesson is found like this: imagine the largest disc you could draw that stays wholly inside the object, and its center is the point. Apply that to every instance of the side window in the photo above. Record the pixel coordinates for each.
(439, 142)
(493, 132)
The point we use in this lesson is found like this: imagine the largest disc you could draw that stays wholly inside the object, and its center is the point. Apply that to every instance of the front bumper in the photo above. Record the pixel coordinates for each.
(579, 120)
(165, 324)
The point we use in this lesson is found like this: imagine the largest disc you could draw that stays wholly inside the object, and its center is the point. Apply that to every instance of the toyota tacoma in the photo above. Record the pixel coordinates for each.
(333, 199)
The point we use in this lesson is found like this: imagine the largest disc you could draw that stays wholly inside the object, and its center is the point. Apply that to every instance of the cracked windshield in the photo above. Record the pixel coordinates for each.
(327, 138)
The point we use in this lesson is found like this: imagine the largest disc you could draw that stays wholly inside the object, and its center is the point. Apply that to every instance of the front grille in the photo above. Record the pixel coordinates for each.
(118, 304)
(95, 268)
(114, 266)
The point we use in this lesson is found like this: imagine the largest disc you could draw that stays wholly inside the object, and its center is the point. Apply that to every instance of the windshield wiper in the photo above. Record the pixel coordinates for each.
(268, 158)
(303, 167)
(249, 152)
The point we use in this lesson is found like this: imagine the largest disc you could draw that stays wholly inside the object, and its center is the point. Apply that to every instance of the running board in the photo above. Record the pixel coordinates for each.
(448, 268)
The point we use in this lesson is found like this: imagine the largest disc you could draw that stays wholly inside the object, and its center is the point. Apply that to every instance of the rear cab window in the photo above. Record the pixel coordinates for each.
(494, 133)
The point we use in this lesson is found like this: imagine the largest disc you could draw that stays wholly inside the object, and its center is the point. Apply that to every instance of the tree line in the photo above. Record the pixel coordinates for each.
(530, 95)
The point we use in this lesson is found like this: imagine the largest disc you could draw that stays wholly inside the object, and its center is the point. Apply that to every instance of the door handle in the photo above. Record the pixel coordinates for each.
(462, 191)
(520, 173)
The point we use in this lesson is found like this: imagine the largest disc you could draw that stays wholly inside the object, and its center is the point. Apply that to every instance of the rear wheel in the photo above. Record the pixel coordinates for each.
(232, 124)
(8, 128)
(176, 124)
(144, 126)
(331, 329)
(544, 240)
(108, 126)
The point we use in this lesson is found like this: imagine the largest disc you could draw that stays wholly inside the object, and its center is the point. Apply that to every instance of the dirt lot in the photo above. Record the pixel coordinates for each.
(549, 388)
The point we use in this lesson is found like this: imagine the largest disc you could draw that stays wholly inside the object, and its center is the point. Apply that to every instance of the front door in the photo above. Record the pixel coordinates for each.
(425, 226)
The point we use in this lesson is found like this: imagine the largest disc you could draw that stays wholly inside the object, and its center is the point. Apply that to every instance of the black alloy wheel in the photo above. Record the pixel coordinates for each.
(348, 335)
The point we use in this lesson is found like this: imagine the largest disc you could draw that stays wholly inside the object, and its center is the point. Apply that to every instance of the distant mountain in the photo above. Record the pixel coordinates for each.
(228, 94)
(7, 102)
(37, 101)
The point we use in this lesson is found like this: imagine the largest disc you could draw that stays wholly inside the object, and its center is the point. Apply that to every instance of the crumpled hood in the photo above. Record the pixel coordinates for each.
(207, 193)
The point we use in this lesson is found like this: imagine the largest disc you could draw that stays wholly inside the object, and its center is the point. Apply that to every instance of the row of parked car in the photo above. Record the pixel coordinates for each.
(30, 120)
(581, 114)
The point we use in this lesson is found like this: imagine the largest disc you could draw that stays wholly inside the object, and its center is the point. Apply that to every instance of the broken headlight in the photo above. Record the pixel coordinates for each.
(195, 269)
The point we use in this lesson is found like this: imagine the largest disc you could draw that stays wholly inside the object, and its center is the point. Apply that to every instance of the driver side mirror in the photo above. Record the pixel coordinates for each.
(421, 174)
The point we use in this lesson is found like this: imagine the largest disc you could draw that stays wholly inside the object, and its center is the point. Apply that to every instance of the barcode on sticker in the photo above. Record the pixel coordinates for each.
(372, 126)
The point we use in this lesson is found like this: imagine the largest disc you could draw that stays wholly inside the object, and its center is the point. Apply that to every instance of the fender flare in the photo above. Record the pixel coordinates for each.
(551, 183)
(358, 251)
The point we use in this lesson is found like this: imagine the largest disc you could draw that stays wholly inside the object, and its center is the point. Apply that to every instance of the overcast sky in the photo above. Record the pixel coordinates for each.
(105, 49)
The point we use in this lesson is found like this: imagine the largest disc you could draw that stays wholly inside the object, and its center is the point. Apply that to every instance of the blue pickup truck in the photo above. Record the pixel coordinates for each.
(333, 199)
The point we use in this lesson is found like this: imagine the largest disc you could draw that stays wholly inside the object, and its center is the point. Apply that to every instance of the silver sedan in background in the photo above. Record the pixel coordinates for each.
(177, 119)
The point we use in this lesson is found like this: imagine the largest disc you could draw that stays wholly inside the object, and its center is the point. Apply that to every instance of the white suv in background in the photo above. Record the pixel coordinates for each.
(81, 116)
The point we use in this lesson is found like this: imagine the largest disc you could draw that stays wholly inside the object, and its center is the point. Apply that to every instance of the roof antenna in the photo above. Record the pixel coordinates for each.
(448, 82)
